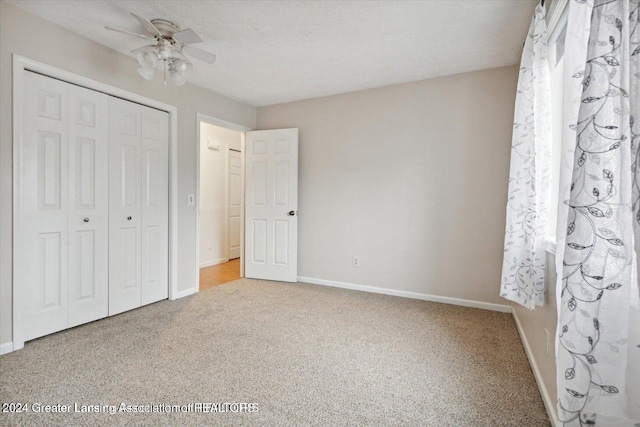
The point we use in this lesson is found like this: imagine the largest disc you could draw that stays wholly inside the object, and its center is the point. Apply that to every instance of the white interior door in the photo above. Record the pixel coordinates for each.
(234, 202)
(125, 128)
(42, 229)
(155, 205)
(88, 206)
(138, 205)
(60, 259)
(271, 238)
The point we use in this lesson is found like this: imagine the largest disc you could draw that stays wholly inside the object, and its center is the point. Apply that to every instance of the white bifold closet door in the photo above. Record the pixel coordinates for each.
(138, 205)
(61, 226)
(91, 207)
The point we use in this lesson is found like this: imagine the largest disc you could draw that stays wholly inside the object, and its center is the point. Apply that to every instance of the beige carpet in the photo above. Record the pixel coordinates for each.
(305, 354)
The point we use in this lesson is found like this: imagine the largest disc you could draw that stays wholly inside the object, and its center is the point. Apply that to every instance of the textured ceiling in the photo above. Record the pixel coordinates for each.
(277, 51)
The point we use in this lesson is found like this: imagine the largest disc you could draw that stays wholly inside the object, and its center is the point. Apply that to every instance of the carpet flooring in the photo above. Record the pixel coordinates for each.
(281, 354)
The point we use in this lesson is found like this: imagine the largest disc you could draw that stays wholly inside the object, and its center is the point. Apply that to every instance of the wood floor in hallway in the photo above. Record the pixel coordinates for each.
(219, 274)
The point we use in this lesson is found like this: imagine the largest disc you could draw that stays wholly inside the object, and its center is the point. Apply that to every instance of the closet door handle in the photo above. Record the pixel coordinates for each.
(129, 218)
(86, 220)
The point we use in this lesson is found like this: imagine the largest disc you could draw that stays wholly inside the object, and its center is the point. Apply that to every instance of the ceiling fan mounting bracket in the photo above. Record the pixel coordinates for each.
(167, 28)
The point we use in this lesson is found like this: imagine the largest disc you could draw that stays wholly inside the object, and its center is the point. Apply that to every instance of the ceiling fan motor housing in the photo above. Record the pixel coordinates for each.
(164, 51)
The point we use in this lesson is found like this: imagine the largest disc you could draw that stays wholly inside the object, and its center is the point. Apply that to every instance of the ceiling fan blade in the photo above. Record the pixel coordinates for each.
(179, 54)
(130, 33)
(147, 25)
(200, 54)
(187, 36)
(149, 48)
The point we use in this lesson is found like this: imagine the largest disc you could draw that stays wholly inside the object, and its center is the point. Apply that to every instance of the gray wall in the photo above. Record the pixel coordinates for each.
(411, 178)
(37, 39)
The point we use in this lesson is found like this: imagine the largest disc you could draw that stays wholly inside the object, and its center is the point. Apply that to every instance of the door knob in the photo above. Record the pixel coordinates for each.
(292, 213)
(86, 220)
(129, 218)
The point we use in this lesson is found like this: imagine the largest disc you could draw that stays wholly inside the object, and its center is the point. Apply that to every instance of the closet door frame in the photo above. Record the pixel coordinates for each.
(21, 65)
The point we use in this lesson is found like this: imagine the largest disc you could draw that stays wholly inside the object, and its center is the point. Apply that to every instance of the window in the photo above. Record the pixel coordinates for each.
(556, 71)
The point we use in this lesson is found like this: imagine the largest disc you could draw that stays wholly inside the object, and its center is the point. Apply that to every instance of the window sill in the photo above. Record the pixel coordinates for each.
(550, 245)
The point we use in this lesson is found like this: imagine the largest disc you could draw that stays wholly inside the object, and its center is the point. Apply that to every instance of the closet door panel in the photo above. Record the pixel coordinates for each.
(41, 224)
(88, 206)
(124, 205)
(154, 205)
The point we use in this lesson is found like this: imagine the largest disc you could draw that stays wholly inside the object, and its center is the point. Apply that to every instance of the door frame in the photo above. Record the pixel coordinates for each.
(21, 65)
(204, 118)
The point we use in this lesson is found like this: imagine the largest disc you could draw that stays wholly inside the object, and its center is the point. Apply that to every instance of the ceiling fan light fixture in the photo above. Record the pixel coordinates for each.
(169, 51)
(180, 65)
(147, 73)
(177, 79)
(147, 59)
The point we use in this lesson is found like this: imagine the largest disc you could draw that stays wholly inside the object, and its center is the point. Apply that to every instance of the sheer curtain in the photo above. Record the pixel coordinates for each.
(530, 173)
(598, 343)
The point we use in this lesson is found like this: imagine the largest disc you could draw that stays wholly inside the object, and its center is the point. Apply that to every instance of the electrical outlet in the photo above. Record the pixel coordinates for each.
(210, 245)
(356, 261)
(191, 199)
(546, 335)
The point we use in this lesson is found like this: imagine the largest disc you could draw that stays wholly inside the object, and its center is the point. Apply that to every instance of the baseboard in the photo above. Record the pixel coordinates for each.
(546, 399)
(214, 262)
(6, 347)
(406, 294)
(185, 293)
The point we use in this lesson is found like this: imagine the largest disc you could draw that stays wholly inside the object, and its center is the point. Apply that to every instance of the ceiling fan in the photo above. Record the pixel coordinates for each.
(169, 52)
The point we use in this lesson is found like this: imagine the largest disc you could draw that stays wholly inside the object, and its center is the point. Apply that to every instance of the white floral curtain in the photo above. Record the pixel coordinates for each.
(598, 342)
(523, 267)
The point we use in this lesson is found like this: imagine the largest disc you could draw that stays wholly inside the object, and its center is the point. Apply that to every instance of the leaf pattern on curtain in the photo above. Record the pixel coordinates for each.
(634, 49)
(598, 271)
(523, 265)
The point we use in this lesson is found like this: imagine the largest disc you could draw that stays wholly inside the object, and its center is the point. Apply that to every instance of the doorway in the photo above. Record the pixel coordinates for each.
(220, 223)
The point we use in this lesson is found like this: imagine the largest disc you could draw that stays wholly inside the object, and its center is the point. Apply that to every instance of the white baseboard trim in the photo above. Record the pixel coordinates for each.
(6, 347)
(185, 293)
(546, 399)
(406, 294)
(214, 262)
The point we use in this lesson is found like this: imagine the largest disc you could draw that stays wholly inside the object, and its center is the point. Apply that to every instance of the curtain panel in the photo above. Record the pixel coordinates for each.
(523, 265)
(598, 342)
